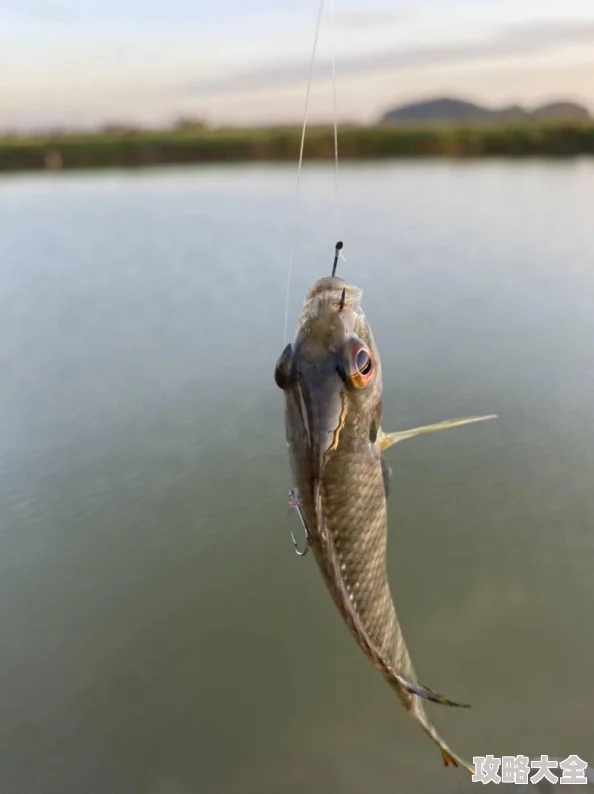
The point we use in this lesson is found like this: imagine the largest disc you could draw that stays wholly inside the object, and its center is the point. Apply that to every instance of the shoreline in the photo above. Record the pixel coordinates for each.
(194, 144)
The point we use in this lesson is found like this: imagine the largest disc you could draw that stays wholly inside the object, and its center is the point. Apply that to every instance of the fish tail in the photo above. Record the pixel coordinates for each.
(416, 710)
(449, 759)
(448, 756)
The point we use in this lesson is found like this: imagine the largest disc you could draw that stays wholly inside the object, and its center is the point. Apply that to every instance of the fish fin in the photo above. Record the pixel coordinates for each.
(449, 759)
(386, 474)
(426, 692)
(388, 439)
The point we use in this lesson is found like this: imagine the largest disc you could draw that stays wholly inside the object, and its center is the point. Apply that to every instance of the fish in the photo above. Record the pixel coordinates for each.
(331, 378)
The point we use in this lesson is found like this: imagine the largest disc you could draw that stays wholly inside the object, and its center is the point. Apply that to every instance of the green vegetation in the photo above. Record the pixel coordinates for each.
(194, 143)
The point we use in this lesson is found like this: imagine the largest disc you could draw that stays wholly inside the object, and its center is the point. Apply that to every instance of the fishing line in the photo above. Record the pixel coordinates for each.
(299, 167)
(335, 120)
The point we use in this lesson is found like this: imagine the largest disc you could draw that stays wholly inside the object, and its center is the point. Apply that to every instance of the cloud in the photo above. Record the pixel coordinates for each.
(544, 34)
(372, 18)
(42, 10)
(537, 38)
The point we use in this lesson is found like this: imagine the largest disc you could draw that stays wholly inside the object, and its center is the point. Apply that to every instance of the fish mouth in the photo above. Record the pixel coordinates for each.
(322, 405)
(329, 290)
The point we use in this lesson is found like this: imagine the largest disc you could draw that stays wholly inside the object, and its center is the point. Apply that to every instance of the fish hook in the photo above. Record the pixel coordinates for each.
(337, 253)
(294, 505)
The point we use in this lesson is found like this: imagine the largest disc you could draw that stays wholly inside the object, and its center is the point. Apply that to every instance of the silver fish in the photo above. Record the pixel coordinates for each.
(332, 382)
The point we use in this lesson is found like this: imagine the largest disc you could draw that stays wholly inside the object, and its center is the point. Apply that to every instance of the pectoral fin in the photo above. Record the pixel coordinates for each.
(387, 439)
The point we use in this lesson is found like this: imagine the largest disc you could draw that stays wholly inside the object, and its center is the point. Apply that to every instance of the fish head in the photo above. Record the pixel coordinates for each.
(331, 375)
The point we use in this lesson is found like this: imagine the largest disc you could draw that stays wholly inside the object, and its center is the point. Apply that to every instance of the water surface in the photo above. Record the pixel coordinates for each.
(158, 635)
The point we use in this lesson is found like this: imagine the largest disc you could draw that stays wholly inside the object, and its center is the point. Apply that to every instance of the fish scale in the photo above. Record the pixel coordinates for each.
(358, 526)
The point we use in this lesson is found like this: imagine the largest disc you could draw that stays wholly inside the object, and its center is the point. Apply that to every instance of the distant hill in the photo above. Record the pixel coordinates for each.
(561, 110)
(448, 110)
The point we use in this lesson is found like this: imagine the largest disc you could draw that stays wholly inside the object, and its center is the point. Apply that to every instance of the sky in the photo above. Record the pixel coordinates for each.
(84, 63)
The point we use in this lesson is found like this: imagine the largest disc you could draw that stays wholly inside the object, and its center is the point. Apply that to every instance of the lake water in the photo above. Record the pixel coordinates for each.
(158, 635)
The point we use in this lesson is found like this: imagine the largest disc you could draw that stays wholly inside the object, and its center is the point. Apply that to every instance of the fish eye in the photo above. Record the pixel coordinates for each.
(363, 362)
(360, 367)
